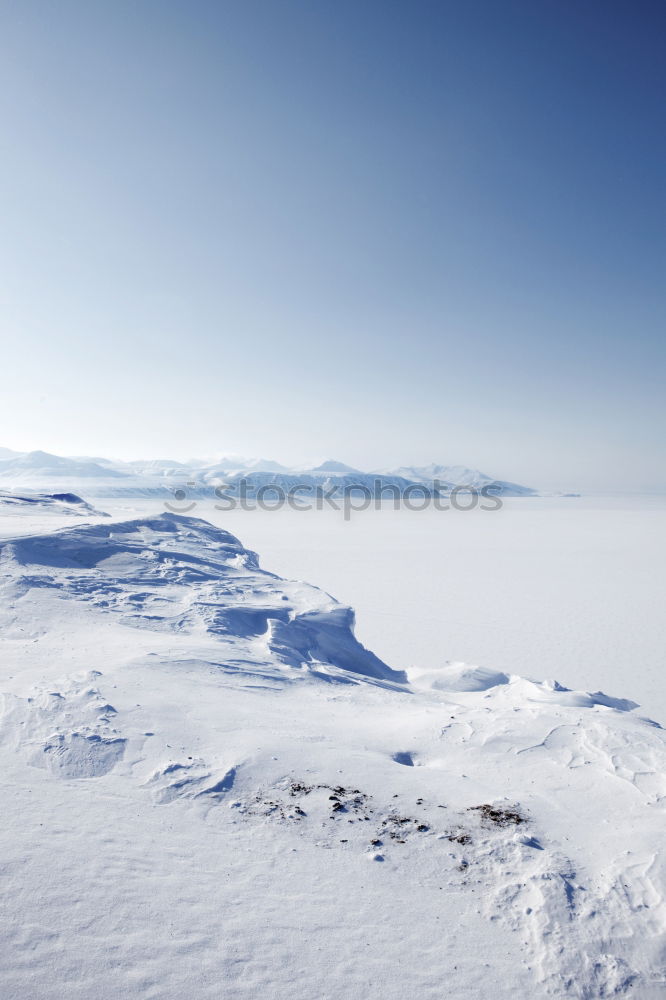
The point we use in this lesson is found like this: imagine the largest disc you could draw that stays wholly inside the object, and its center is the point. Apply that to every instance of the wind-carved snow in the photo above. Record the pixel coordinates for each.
(68, 731)
(204, 748)
(183, 575)
(31, 503)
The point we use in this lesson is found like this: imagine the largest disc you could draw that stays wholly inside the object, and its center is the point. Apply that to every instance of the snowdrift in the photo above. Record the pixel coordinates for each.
(212, 789)
(183, 575)
(46, 503)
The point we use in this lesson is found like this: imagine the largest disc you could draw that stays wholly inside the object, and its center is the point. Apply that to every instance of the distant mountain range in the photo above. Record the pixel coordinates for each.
(37, 464)
(104, 477)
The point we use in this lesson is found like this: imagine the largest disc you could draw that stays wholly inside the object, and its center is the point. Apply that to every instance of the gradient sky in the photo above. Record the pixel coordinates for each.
(385, 232)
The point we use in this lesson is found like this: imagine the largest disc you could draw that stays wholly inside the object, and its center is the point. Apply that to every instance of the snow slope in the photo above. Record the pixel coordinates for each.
(43, 467)
(309, 484)
(33, 504)
(211, 789)
(457, 475)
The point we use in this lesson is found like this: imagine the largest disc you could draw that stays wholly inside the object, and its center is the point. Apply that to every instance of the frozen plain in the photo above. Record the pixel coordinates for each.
(567, 588)
(186, 803)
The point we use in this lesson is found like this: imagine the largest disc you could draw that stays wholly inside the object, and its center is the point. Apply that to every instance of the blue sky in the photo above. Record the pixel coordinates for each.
(383, 232)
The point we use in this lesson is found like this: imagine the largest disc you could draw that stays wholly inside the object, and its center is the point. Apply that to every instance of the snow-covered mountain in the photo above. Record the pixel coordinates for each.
(336, 476)
(157, 467)
(205, 778)
(43, 467)
(265, 465)
(330, 466)
(103, 477)
(457, 475)
(232, 464)
(310, 482)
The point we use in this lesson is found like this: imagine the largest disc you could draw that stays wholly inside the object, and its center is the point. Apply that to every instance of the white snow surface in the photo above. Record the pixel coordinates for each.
(211, 789)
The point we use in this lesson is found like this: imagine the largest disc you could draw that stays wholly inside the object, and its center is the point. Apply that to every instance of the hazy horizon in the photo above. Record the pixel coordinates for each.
(308, 463)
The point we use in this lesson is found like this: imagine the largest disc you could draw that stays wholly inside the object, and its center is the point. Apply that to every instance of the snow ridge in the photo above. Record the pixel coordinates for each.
(182, 574)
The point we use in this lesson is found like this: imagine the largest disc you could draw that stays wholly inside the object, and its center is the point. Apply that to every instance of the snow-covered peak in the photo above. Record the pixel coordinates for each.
(336, 468)
(456, 475)
(265, 465)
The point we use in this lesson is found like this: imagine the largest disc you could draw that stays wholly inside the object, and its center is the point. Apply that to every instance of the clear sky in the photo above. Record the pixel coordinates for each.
(385, 232)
